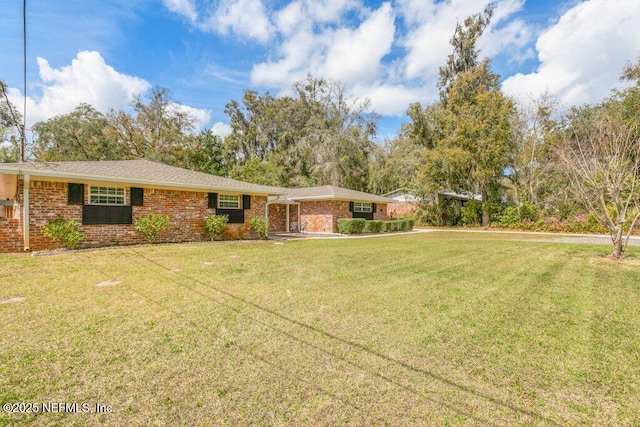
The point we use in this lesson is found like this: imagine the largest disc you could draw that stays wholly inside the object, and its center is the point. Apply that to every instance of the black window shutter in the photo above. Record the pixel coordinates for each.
(137, 196)
(213, 200)
(350, 206)
(246, 201)
(75, 194)
(373, 207)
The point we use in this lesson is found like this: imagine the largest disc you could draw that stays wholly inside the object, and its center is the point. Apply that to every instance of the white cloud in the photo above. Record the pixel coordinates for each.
(221, 129)
(347, 54)
(185, 8)
(431, 25)
(90, 80)
(201, 117)
(87, 79)
(390, 100)
(582, 55)
(356, 55)
(247, 18)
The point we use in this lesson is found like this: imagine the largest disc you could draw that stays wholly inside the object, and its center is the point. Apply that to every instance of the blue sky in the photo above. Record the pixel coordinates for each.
(206, 52)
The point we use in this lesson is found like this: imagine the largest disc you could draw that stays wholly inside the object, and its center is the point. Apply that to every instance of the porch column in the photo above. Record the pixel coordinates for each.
(25, 212)
(286, 221)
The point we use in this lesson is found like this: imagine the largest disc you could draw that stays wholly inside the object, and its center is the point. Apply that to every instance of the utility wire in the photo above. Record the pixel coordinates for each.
(23, 129)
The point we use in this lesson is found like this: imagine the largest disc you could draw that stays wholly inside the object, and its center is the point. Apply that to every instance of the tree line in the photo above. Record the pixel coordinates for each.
(524, 161)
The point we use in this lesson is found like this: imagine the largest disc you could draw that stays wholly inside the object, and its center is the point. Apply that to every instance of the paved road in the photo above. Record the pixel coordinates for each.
(587, 239)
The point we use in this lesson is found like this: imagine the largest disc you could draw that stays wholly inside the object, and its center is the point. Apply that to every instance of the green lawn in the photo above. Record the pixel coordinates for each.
(440, 328)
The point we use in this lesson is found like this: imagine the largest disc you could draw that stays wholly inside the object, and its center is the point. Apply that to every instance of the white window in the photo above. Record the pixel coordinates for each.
(106, 195)
(226, 201)
(361, 207)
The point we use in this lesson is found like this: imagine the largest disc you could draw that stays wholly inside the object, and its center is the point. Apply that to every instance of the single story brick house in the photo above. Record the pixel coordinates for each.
(106, 196)
(317, 209)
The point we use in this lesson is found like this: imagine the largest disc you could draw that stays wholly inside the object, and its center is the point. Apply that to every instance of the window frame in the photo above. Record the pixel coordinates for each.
(94, 192)
(221, 200)
(361, 208)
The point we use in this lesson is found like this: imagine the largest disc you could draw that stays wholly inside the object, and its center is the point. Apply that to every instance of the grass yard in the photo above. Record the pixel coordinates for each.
(439, 328)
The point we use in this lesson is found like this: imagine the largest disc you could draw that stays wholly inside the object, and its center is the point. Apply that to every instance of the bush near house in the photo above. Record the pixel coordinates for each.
(64, 231)
(359, 225)
(351, 225)
(259, 226)
(215, 225)
(374, 226)
(388, 226)
(151, 225)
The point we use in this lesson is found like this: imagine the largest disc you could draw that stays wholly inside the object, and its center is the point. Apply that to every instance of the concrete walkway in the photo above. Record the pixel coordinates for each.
(587, 239)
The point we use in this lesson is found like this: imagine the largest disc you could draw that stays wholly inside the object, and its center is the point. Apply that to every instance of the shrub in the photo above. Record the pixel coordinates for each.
(529, 212)
(351, 225)
(410, 223)
(471, 213)
(442, 213)
(65, 231)
(215, 225)
(259, 226)
(387, 226)
(151, 225)
(510, 217)
(374, 226)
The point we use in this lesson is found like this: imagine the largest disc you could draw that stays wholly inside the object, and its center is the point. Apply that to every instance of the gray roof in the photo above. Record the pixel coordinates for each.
(139, 172)
(331, 192)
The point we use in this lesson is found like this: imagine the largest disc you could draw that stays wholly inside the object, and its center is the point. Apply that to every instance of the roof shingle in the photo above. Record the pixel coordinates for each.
(142, 172)
(335, 193)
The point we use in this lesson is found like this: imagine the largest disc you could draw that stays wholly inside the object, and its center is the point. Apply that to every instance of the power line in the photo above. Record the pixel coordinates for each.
(24, 81)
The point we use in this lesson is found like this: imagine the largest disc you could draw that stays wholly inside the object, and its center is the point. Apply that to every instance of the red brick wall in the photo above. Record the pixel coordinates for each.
(10, 235)
(187, 211)
(322, 216)
(278, 214)
(400, 209)
(11, 239)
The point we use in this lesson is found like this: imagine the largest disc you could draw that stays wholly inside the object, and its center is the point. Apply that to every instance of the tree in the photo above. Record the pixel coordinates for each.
(468, 135)
(79, 135)
(602, 158)
(465, 54)
(337, 134)
(320, 135)
(10, 128)
(601, 155)
(159, 130)
(205, 152)
(535, 169)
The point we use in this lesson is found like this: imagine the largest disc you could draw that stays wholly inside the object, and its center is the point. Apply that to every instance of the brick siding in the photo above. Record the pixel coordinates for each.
(322, 216)
(401, 209)
(277, 217)
(186, 210)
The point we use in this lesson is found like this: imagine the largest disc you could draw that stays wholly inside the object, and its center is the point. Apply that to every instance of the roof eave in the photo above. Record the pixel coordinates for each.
(151, 183)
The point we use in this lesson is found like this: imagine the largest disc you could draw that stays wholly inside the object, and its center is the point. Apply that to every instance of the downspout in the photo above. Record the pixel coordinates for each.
(25, 212)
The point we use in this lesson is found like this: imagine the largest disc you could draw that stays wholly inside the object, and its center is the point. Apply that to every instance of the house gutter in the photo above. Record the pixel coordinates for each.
(25, 212)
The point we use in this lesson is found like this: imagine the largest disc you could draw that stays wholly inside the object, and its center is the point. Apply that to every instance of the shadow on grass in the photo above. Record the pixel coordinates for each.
(356, 345)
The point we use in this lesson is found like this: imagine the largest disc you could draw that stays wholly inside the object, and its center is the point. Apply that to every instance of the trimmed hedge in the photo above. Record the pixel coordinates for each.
(374, 226)
(351, 225)
(359, 225)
